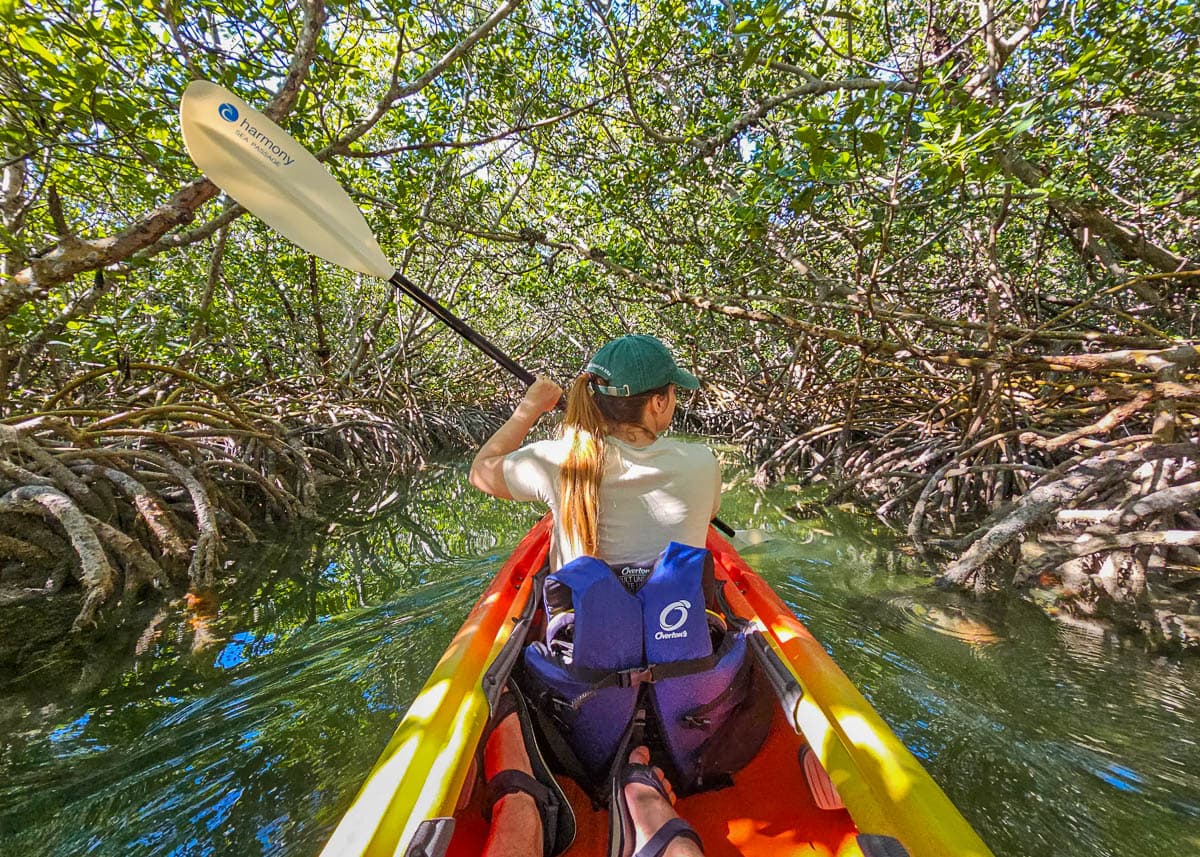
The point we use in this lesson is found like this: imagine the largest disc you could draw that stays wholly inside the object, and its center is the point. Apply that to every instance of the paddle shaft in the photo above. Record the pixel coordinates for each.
(427, 301)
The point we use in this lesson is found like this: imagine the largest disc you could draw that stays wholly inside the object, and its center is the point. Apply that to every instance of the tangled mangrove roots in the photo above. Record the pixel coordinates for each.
(1072, 472)
(147, 491)
(1058, 454)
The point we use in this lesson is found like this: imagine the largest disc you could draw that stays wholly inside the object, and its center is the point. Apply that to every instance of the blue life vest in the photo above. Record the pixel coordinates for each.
(661, 638)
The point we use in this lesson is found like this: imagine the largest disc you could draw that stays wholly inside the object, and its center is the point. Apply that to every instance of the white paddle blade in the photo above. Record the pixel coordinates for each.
(259, 164)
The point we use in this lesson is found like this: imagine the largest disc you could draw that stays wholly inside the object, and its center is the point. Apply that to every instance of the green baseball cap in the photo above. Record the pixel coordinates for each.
(636, 363)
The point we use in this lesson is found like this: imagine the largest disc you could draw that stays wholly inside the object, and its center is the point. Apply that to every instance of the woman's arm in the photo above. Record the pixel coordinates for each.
(487, 470)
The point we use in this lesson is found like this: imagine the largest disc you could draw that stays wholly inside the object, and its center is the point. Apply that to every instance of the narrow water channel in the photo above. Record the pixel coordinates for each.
(245, 725)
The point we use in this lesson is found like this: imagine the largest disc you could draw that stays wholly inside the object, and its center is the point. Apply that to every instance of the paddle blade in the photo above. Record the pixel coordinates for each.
(259, 164)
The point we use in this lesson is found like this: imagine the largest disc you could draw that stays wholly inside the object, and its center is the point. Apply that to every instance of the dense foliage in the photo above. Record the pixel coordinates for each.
(965, 235)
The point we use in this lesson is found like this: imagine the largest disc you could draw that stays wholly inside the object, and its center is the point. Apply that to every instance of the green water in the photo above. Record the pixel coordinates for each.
(248, 728)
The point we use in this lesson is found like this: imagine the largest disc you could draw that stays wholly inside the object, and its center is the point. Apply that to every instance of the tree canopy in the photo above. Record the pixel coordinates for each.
(863, 223)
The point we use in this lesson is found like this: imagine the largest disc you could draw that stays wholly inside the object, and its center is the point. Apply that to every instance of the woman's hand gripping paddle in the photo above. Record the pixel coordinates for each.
(272, 176)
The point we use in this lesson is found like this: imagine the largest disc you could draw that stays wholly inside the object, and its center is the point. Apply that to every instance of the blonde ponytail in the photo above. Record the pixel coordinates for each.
(589, 418)
(584, 427)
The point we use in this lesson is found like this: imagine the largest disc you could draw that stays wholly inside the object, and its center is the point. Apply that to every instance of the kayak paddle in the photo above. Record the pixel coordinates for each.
(273, 177)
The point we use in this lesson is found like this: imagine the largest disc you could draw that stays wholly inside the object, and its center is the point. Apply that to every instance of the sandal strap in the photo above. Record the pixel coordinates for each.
(674, 829)
(635, 772)
(513, 781)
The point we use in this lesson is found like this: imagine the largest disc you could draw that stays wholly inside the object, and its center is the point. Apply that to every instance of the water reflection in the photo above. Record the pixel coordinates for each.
(248, 731)
(944, 613)
(1053, 738)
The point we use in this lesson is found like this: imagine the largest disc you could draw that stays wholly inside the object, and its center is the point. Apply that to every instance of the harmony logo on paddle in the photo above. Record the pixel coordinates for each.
(669, 627)
(258, 140)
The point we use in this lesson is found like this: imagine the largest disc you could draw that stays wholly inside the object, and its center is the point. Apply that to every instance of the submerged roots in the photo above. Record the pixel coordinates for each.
(146, 495)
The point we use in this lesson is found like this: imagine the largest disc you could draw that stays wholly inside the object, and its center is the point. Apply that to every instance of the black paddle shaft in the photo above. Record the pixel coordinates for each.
(460, 327)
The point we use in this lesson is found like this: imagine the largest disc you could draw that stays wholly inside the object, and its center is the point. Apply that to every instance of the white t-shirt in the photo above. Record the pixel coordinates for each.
(667, 491)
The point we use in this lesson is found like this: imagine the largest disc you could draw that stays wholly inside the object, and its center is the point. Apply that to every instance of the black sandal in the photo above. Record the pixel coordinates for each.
(671, 830)
(558, 819)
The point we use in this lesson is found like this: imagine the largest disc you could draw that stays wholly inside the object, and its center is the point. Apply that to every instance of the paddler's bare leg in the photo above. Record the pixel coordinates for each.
(516, 829)
(649, 811)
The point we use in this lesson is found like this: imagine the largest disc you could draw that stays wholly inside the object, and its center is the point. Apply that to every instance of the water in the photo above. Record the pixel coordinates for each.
(245, 724)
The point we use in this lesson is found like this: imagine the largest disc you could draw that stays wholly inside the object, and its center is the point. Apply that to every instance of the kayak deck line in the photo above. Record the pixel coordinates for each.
(427, 771)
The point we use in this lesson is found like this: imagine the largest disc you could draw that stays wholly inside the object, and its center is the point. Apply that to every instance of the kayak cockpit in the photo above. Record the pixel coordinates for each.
(830, 777)
(769, 810)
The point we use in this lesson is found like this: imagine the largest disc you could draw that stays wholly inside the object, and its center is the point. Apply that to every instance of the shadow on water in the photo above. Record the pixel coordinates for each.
(244, 721)
(245, 724)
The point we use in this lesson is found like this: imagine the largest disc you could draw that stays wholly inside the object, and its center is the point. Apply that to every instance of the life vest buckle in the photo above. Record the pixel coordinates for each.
(636, 677)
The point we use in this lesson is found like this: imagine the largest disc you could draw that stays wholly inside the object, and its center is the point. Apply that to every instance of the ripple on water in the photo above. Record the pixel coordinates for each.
(281, 718)
(961, 620)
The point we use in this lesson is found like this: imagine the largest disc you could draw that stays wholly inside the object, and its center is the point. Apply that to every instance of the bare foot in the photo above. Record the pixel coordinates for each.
(649, 810)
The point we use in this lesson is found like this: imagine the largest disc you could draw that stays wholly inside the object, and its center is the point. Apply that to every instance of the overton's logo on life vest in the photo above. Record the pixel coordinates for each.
(668, 627)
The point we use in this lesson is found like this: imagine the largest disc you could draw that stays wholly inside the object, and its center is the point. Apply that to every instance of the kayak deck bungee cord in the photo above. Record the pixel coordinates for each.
(830, 778)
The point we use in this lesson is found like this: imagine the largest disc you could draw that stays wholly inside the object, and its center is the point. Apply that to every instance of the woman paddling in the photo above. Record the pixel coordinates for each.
(619, 492)
(617, 489)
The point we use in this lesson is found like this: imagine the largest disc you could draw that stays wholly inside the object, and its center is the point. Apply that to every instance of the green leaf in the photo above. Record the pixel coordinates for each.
(1022, 126)
(874, 143)
(803, 202)
(752, 53)
(28, 42)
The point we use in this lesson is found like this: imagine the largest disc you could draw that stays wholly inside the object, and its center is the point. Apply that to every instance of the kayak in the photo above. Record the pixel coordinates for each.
(831, 778)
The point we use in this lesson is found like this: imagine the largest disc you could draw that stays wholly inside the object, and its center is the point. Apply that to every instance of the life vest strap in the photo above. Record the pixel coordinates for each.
(638, 676)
